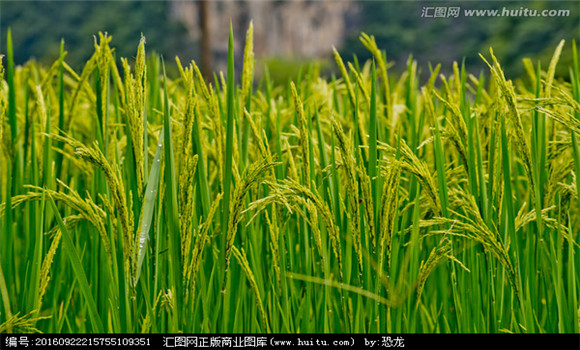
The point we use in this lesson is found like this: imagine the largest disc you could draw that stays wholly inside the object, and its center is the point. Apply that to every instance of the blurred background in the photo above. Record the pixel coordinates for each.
(291, 33)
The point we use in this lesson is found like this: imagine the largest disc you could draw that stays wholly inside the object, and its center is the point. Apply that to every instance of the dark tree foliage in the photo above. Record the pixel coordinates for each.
(38, 26)
(400, 30)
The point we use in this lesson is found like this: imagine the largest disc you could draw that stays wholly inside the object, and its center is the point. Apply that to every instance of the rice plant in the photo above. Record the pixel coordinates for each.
(369, 202)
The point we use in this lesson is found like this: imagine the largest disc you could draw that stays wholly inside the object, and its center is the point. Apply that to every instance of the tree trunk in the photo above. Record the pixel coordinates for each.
(206, 54)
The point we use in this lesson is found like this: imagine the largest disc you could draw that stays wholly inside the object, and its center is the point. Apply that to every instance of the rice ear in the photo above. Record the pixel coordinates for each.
(304, 139)
(251, 178)
(94, 156)
(243, 261)
(352, 188)
(506, 90)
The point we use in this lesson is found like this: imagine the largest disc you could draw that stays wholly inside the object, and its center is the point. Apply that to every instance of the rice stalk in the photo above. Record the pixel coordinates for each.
(112, 173)
(87, 208)
(243, 261)
(360, 83)
(187, 202)
(507, 92)
(78, 270)
(22, 324)
(291, 163)
(82, 84)
(352, 189)
(289, 191)
(2, 103)
(473, 227)
(251, 178)
(46, 265)
(444, 192)
(42, 111)
(248, 70)
(134, 108)
(387, 214)
(552, 70)
(351, 94)
(457, 129)
(342, 286)
(229, 162)
(345, 77)
(218, 129)
(146, 327)
(188, 164)
(262, 147)
(304, 143)
(370, 43)
(103, 59)
(443, 251)
(201, 82)
(414, 165)
(193, 261)
(274, 232)
(367, 199)
(523, 219)
(566, 119)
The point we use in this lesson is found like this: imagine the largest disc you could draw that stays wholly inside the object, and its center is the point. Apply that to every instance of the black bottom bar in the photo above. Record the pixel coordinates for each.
(292, 341)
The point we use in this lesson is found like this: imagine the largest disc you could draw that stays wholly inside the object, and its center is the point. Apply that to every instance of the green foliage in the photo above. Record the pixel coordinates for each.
(400, 30)
(347, 205)
(38, 27)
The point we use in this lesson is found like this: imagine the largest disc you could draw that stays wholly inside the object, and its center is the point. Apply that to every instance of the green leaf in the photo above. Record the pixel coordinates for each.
(149, 206)
(79, 273)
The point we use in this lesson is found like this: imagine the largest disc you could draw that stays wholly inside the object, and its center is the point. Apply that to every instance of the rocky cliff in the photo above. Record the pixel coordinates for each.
(292, 28)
